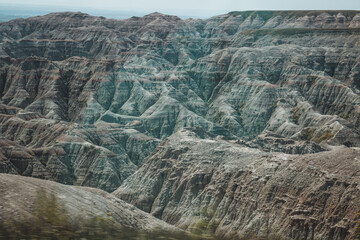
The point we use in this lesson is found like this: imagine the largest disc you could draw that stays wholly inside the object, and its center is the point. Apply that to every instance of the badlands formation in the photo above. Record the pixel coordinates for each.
(248, 122)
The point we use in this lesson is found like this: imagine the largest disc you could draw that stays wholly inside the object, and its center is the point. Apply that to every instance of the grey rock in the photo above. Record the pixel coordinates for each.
(272, 100)
(193, 177)
(91, 98)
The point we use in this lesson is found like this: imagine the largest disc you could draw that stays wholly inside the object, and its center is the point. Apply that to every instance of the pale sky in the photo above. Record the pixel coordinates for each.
(186, 7)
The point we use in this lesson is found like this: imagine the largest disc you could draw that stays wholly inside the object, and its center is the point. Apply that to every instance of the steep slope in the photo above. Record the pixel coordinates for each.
(232, 189)
(85, 101)
(19, 195)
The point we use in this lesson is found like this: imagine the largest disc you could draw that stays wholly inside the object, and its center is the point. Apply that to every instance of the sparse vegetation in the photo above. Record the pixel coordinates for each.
(345, 116)
(310, 80)
(307, 134)
(51, 221)
(295, 115)
(324, 136)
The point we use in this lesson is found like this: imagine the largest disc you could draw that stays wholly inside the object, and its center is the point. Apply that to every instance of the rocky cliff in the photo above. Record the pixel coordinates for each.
(87, 101)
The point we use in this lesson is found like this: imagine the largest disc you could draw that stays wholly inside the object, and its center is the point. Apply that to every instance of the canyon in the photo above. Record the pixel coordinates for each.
(248, 122)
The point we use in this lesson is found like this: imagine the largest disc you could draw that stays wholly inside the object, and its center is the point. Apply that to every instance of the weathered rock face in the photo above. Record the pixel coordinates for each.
(192, 177)
(85, 102)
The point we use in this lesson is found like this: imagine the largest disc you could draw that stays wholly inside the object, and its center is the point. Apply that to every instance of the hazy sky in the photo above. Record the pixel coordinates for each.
(193, 6)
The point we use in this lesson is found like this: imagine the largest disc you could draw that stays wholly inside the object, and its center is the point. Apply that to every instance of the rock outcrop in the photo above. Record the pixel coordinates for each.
(234, 189)
(272, 100)
(85, 101)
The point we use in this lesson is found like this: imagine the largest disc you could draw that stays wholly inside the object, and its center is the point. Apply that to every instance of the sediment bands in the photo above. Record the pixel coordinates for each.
(250, 120)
